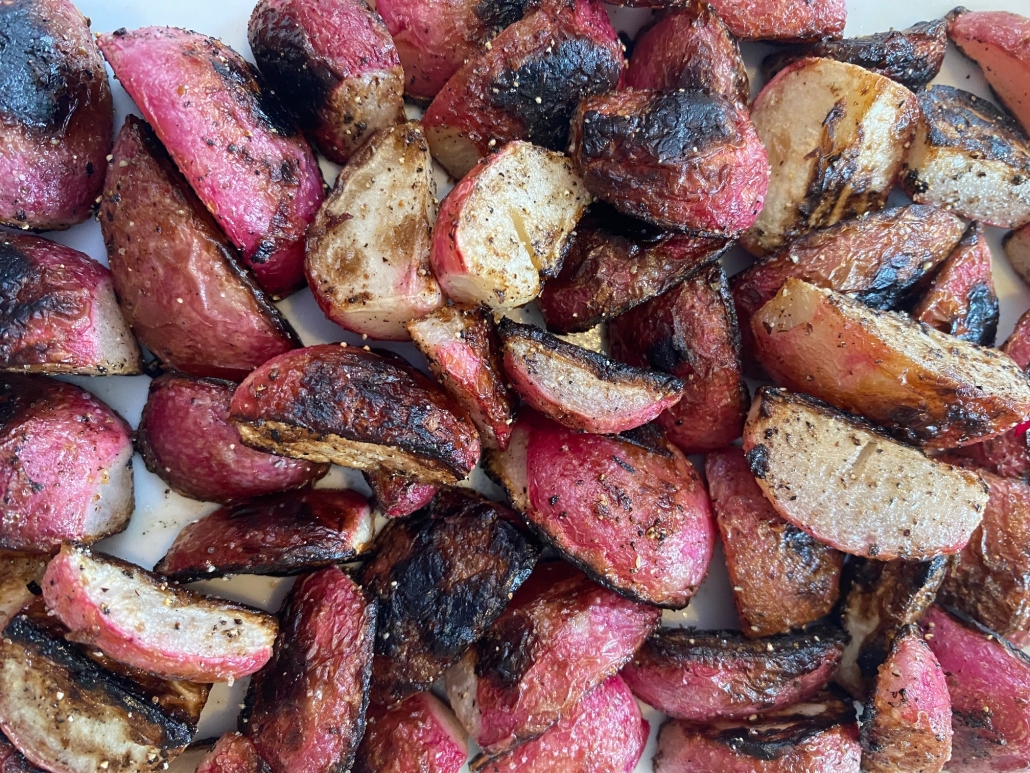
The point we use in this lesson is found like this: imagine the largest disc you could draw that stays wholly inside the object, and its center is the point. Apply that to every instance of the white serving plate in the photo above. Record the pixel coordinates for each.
(160, 514)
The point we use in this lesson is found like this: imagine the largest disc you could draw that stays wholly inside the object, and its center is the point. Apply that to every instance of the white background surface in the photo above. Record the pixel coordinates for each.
(160, 514)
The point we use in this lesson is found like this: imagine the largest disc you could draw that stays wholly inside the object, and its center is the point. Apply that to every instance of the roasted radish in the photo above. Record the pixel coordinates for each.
(614, 263)
(421, 734)
(912, 57)
(17, 572)
(341, 404)
(962, 300)
(781, 577)
(396, 495)
(59, 313)
(464, 353)
(689, 48)
(246, 161)
(67, 714)
(813, 737)
(836, 135)
(177, 277)
(282, 534)
(525, 85)
(635, 518)
(334, 65)
(691, 332)
(851, 487)
(66, 462)
(1017, 250)
(997, 41)
(924, 386)
(785, 21)
(882, 598)
(906, 725)
(367, 257)
(234, 753)
(186, 439)
(971, 158)
(12, 760)
(649, 153)
(505, 224)
(580, 388)
(138, 618)
(58, 118)
(989, 684)
(708, 675)
(441, 580)
(604, 733)
(561, 637)
(305, 711)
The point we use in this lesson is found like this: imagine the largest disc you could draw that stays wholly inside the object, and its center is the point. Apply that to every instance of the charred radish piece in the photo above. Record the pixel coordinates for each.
(813, 737)
(852, 487)
(883, 598)
(56, 115)
(971, 158)
(138, 618)
(989, 683)
(691, 332)
(689, 48)
(334, 65)
(708, 675)
(580, 388)
(837, 135)
(246, 161)
(783, 21)
(990, 579)
(441, 580)
(305, 711)
(505, 225)
(648, 153)
(102, 722)
(59, 313)
(186, 439)
(911, 57)
(561, 637)
(421, 734)
(17, 572)
(997, 41)
(924, 386)
(879, 260)
(65, 465)
(395, 495)
(640, 523)
(525, 85)
(341, 404)
(604, 733)
(12, 760)
(177, 277)
(781, 577)
(614, 263)
(906, 724)
(233, 753)
(367, 258)
(282, 534)
(464, 353)
(962, 300)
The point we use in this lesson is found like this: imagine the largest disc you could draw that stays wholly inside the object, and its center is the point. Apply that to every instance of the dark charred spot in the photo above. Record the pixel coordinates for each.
(980, 324)
(669, 354)
(498, 14)
(758, 460)
(891, 281)
(607, 219)
(546, 87)
(242, 81)
(506, 652)
(669, 128)
(263, 253)
(956, 118)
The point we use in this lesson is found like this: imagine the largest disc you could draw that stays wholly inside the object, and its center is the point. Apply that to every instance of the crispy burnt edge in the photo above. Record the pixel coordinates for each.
(911, 57)
(599, 366)
(153, 147)
(119, 689)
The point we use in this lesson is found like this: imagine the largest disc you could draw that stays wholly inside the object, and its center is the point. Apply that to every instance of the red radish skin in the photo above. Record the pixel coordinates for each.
(12, 760)
(253, 171)
(605, 733)
(186, 439)
(396, 496)
(421, 734)
(139, 619)
(233, 753)
(788, 21)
